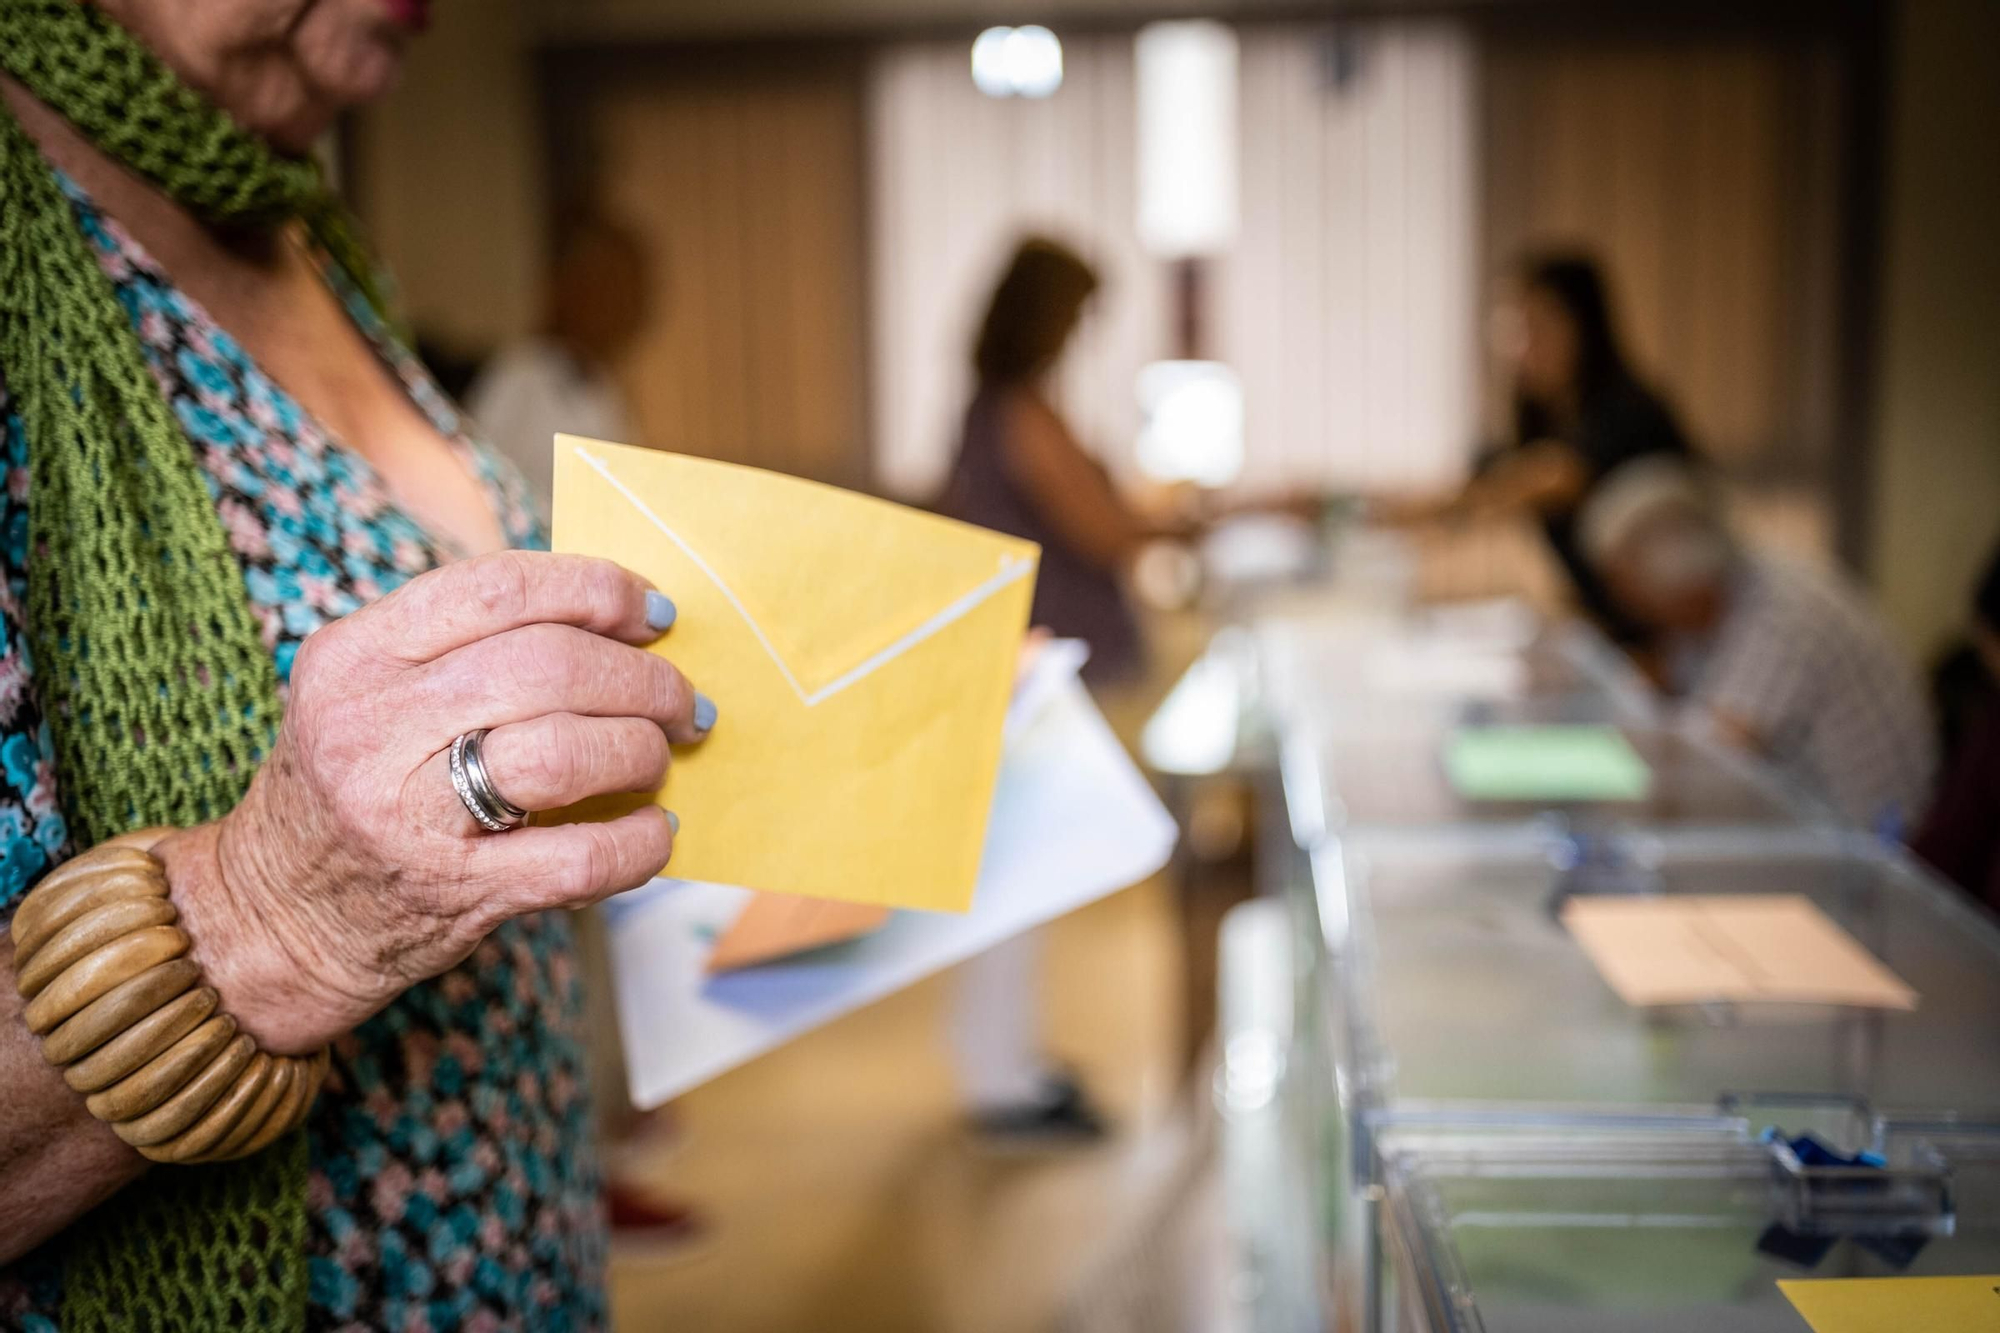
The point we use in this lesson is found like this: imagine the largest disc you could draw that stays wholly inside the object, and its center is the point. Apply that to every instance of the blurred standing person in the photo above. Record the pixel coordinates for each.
(1019, 470)
(1579, 411)
(1781, 659)
(1961, 834)
(560, 380)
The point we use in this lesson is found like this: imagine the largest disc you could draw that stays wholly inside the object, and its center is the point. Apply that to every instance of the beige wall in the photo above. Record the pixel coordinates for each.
(1937, 480)
(1702, 172)
(745, 184)
(745, 177)
(449, 177)
(449, 173)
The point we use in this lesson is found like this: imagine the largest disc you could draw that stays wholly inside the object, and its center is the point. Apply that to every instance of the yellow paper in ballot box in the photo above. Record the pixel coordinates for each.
(1969, 1304)
(860, 654)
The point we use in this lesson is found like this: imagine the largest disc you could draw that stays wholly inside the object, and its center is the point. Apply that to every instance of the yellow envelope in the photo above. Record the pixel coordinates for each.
(1897, 1304)
(860, 655)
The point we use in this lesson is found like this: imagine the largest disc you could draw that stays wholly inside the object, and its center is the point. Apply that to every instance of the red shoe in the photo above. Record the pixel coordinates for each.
(643, 1226)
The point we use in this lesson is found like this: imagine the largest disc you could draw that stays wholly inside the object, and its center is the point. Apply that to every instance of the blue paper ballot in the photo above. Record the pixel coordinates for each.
(1546, 763)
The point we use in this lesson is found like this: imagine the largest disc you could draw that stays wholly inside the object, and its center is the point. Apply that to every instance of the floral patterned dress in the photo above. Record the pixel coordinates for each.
(453, 1184)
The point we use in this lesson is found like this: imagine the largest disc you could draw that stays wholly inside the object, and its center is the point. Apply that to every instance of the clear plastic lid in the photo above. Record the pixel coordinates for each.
(1321, 671)
(1634, 1234)
(1457, 983)
(1387, 770)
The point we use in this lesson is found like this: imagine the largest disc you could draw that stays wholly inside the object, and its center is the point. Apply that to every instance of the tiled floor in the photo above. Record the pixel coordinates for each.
(845, 1195)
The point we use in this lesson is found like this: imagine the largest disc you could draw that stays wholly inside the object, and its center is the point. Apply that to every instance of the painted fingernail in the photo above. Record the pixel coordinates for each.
(673, 821)
(704, 713)
(660, 611)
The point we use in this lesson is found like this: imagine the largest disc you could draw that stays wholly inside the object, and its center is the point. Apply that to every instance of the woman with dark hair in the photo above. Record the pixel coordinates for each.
(1579, 412)
(1020, 470)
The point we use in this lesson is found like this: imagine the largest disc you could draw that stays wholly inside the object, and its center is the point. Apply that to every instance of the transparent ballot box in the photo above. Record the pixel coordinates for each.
(1302, 671)
(1577, 766)
(1454, 984)
(1323, 670)
(1601, 1231)
(1375, 718)
(1274, 1278)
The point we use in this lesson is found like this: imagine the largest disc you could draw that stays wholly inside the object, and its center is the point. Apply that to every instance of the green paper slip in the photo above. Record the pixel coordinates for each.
(1553, 763)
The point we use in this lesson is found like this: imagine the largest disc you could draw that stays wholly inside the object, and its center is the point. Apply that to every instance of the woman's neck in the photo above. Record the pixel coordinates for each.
(173, 235)
(267, 292)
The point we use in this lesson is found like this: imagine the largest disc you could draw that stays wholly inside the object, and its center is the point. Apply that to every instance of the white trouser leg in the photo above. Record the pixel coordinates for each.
(610, 1100)
(995, 1028)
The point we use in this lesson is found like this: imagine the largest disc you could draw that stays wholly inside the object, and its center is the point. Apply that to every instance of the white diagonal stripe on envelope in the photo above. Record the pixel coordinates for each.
(1011, 571)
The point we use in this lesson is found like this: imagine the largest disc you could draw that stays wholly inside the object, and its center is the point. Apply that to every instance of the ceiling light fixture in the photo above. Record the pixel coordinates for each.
(1017, 62)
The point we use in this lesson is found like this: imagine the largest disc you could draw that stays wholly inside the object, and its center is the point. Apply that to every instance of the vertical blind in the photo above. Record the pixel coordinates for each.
(747, 189)
(956, 178)
(1705, 173)
(1348, 303)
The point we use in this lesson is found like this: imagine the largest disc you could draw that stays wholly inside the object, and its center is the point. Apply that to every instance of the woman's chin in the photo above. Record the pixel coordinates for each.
(294, 117)
(362, 73)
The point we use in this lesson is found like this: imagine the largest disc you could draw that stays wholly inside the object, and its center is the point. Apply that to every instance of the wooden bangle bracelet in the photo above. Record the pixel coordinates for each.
(121, 1010)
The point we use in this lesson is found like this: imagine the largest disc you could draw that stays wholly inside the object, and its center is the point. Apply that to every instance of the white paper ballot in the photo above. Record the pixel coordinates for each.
(1073, 820)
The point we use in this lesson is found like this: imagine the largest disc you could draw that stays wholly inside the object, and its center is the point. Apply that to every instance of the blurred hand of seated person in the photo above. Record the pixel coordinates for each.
(1779, 658)
(1542, 477)
(1207, 508)
(1409, 509)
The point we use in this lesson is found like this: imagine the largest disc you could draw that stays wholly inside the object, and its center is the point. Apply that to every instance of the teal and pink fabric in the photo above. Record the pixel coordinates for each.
(453, 1181)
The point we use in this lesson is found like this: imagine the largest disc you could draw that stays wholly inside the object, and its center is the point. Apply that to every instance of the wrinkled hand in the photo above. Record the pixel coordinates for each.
(351, 871)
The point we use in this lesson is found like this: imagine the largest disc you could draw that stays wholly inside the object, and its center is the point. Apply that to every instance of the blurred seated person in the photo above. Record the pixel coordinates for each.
(1960, 835)
(1020, 471)
(559, 380)
(1782, 659)
(1579, 412)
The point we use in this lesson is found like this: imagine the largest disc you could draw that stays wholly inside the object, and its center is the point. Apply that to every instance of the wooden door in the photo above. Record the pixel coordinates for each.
(744, 174)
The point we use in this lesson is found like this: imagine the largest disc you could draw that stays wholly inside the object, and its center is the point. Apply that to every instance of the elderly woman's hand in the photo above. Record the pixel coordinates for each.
(351, 870)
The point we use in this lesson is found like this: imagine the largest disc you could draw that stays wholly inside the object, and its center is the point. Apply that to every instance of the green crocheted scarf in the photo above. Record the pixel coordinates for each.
(159, 692)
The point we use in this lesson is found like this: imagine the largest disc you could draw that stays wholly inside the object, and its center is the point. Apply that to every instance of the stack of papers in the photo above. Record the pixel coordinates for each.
(1699, 949)
(1546, 763)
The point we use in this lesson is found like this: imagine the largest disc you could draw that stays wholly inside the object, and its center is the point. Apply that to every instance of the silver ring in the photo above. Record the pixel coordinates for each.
(482, 800)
